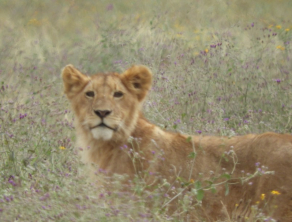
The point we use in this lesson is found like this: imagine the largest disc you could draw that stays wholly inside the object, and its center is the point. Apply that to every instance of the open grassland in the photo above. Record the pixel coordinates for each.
(220, 67)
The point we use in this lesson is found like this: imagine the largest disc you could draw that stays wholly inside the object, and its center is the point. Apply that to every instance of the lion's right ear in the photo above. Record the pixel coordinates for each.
(74, 81)
(138, 79)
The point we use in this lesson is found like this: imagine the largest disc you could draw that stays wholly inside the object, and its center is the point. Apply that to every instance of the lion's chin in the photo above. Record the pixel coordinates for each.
(102, 133)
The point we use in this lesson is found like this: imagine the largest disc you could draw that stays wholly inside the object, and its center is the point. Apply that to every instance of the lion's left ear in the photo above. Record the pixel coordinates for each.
(138, 79)
(73, 80)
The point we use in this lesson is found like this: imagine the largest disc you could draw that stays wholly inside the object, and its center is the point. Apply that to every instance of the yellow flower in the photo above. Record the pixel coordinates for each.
(280, 47)
(287, 30)
(236, 205)
(206, 50)
(257, 202)
(275, 192)
(34, 22)
(62, 148)
(192, 181)
(263, 196)
(179, 26)
(278, 27)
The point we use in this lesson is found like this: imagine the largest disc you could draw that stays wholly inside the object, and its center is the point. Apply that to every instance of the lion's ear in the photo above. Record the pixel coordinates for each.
(74, 81)
(138, 79)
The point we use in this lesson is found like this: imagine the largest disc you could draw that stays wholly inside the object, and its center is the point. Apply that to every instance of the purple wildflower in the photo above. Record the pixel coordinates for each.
(46, 196)
(110, 7)
(12, 182)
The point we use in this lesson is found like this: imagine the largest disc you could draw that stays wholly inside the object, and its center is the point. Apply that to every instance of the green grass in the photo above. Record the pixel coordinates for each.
(241, 86)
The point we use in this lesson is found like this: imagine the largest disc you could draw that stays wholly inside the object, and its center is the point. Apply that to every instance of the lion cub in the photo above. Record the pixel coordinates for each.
(107, 108)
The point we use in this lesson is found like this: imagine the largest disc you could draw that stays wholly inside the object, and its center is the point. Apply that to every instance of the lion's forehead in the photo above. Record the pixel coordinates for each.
(106, 83)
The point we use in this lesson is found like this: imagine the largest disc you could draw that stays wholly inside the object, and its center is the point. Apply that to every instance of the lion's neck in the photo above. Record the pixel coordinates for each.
(115, 155)
(143, 128)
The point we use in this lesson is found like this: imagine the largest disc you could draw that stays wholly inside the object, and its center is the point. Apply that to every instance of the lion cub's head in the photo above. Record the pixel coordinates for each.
(107, 105)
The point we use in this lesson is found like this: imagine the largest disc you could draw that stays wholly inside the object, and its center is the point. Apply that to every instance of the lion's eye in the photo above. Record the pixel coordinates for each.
(118, 94)
(90, 94)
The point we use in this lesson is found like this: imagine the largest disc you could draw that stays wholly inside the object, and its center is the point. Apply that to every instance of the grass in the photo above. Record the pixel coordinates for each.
(220, 67)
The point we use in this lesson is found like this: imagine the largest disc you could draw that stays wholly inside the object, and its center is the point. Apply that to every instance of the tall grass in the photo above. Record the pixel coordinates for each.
(220, 67)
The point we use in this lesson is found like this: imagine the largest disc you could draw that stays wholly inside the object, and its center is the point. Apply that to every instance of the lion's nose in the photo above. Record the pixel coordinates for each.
(102, 113)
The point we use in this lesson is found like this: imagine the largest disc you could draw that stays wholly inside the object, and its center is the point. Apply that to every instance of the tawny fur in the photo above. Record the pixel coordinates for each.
(103, 146)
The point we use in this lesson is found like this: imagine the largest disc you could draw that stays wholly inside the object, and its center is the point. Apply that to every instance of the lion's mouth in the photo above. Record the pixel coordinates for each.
(103, 125)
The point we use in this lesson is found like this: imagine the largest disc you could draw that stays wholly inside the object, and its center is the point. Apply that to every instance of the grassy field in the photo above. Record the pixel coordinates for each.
(220, 67)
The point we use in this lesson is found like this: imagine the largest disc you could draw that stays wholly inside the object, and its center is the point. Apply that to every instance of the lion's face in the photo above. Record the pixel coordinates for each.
(107, 105)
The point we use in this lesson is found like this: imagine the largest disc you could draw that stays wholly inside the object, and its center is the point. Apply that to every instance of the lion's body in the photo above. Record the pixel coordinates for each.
(106, 120)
